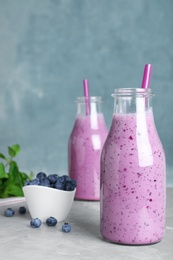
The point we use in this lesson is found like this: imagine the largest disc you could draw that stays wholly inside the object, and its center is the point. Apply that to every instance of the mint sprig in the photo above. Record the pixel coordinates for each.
(11, 179)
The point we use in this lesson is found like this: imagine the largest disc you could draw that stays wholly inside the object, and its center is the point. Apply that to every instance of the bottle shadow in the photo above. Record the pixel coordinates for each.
(86, 219)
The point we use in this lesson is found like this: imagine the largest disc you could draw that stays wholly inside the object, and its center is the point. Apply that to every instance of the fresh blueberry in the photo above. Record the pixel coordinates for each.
(27, 183)
(69, 186)
(59, 185)
(66, 227)
(44, 182)
(54, 181)
(22, 210)
(66, 177)
(35, 181)
(62, 179)
(51, 221)
(41, 175)
(35, 223)
(52, 178)
(9, 212)
(74, 183)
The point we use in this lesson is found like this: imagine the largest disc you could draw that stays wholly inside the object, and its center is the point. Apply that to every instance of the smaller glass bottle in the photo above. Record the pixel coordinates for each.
(84, 148)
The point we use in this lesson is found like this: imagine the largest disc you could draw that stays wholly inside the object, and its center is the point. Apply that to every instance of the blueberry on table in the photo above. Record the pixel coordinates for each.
(9, 212)
(22, 210)
(51, 221)
(35, 223)
(66, 227)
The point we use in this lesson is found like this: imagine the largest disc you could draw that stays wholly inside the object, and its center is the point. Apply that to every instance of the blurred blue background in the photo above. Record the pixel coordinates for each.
(47, 47)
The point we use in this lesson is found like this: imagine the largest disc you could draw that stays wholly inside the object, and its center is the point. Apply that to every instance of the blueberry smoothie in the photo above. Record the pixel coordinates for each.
(133, 181)
(84, 150)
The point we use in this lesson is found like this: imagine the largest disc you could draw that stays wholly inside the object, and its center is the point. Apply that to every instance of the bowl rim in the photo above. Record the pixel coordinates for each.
(47, 188)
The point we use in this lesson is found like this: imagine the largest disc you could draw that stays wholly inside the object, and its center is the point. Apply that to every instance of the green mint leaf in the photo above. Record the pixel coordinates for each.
(2, 185)
(5, 158)
(13, 150)
(12, 190)
(12, 180)
(3, 174)
(14, 183)
(16, 148)
(24, 177)
(14, 175)
(2, 156)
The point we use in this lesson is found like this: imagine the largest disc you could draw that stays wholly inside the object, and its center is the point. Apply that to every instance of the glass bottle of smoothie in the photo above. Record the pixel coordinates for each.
(84, 148)
(133, 173)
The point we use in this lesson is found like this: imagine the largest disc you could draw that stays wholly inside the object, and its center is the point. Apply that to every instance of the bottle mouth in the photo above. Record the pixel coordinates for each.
(139, 92)
(90, 99)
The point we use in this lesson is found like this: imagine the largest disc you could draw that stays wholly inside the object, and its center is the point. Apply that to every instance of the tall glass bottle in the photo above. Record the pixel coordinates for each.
(84, 148)
(133, 172)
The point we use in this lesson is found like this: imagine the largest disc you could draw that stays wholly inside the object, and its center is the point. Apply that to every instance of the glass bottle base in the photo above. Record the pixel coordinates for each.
(132, 243)
(86, 198)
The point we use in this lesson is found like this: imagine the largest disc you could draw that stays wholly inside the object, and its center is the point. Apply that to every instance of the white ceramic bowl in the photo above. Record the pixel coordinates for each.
(44, 202)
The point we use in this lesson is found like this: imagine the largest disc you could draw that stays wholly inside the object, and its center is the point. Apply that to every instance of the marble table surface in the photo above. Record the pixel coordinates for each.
(20, 241)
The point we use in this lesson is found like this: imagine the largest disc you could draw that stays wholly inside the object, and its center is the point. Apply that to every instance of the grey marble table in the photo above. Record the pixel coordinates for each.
(20, 241)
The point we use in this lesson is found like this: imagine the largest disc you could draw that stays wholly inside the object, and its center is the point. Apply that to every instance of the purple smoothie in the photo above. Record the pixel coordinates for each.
(133, 181)
(84, 149)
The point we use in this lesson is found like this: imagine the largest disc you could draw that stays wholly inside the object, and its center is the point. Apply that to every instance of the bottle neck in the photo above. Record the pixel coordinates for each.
(128, 101)
(88, 107)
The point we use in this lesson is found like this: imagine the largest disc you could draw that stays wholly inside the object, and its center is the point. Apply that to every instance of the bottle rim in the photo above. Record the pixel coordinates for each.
(141, 92)
(90, 99)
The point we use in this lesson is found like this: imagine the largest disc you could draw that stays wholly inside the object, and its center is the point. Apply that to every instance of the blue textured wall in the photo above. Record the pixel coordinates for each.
(48, 47)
